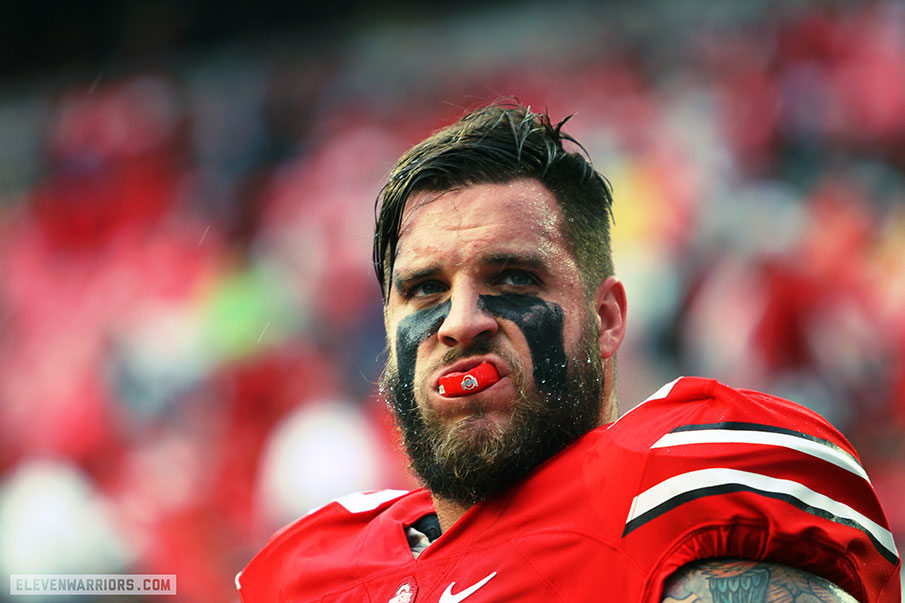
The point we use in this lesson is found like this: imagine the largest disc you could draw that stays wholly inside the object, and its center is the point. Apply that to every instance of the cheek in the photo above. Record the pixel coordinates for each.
(576, 330)
(541, 323)
(411, 332)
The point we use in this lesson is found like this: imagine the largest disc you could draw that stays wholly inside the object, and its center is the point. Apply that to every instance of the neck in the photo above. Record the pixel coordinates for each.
(609, 412)
(448, 512)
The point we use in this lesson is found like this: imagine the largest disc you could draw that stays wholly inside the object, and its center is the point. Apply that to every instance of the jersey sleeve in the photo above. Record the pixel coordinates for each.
(730, 473)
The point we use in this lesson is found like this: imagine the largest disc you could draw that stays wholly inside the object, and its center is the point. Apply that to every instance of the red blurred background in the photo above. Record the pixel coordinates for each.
(190, 329)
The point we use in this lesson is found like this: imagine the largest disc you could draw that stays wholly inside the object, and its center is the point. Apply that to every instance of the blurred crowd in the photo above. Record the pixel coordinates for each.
(190, 328)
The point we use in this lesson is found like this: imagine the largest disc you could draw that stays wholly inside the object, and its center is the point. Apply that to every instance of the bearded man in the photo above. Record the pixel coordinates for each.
(503, 317)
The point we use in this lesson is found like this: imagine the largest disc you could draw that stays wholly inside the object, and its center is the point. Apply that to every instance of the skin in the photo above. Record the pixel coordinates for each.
(716, 581)
(469, 248)
(475, 459)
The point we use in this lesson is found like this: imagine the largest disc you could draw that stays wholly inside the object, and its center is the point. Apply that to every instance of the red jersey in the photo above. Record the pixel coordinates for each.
(699, 470)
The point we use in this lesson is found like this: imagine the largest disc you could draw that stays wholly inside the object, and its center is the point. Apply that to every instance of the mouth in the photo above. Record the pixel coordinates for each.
(467, 378)
(466, 364)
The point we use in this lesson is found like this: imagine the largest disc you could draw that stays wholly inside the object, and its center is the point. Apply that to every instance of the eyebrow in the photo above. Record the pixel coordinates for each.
(530, 260)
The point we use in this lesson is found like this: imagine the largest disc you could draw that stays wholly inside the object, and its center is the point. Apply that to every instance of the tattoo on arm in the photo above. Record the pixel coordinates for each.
(732, 581)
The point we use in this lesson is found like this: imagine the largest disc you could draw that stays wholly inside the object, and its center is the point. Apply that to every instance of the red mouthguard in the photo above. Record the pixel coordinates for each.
(459, 384)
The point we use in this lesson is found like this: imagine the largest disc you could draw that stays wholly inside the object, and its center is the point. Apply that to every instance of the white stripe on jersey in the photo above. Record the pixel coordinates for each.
(664, 391)
(736, 436)
(361, 502)
(710, 478)
(661, 393)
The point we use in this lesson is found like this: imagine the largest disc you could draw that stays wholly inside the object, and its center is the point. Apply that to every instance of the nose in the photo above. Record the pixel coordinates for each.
(467, 321)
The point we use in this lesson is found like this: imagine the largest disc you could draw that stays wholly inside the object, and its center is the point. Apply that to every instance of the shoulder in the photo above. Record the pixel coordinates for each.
(720, 426)
(316, 542)
(716, 471)
(341, 516)
(705, 419)
(695, 401)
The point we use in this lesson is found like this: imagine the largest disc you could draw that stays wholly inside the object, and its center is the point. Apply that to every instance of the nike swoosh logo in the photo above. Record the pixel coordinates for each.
(449, 597)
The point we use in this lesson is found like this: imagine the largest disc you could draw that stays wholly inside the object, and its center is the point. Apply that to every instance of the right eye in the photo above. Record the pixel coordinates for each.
(426, 289)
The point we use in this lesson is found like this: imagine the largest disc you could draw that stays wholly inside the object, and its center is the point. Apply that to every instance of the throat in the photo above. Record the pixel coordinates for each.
(448, 512)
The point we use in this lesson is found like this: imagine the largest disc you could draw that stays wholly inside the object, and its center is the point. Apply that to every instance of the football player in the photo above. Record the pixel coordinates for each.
(503, 317)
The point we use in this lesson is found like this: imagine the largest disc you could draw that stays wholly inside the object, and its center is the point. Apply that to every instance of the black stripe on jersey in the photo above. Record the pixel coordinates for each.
(691, 495)
(743, 426)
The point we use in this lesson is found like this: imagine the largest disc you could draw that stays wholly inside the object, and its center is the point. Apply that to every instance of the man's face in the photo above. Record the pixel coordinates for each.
(483, 274)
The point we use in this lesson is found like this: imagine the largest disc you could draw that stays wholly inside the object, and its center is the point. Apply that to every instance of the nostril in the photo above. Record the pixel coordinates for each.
(460, 329)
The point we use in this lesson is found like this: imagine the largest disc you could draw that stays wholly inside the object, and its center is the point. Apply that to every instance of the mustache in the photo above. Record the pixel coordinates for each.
(480, 348)
(475, 349)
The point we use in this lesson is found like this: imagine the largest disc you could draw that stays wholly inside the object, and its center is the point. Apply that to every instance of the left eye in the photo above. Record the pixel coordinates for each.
(518, 278)
(426, 288)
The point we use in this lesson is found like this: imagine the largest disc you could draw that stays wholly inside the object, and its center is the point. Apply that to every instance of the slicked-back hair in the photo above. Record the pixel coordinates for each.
(494, 145)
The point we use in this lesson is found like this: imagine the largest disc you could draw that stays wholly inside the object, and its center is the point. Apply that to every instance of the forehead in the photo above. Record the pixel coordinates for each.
(515, 216)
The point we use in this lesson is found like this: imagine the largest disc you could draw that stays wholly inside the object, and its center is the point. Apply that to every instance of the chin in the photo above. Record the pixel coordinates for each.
(491, 423)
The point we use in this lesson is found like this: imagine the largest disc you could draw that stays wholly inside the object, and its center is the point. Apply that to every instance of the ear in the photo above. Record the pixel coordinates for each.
(610, 306)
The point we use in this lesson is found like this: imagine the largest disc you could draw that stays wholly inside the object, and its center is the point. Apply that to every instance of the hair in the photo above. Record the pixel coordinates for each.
(493, 145)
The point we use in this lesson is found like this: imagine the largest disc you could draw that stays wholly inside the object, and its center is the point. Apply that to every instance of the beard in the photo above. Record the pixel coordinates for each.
(474, 458)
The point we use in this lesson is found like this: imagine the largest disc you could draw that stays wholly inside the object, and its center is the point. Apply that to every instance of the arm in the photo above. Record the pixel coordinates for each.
(725, 581)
